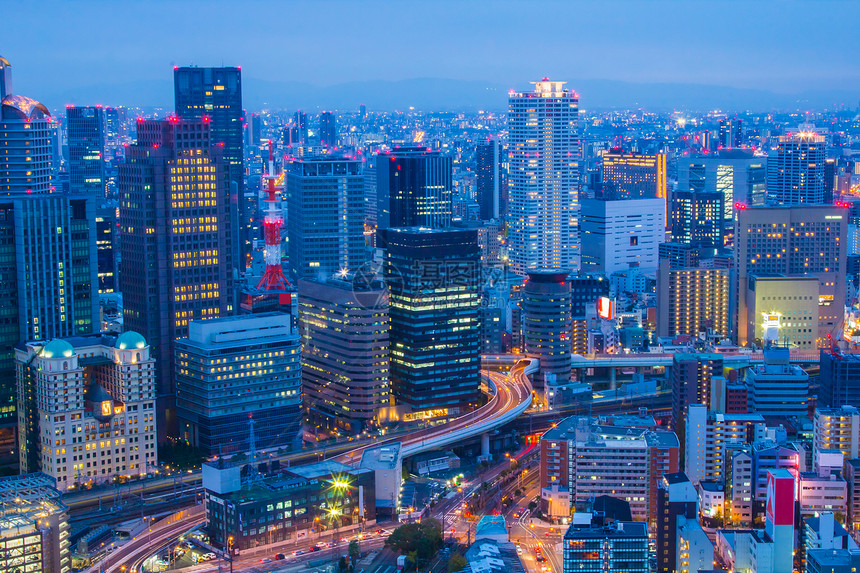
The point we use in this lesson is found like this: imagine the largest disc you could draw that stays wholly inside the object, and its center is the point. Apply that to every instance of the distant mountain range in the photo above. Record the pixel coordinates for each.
(430, 94)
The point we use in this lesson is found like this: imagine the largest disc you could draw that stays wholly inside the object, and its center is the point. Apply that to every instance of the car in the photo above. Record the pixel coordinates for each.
(298, 552)
(279, 556)
(313, 548)
(265, 560)
(209, 556)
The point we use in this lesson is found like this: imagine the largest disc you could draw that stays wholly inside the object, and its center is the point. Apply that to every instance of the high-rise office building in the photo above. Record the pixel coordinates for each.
(47, 246)
(795, 169)
(325, 202)
(633, 175)
(215, 96)
(328, 129)
(840, 379)
(736, 174)
(34, 531)
(254, 129)
(345, 352)
(793, 242)
(731, 132)
(620, 234)
(544, 152)
(546, 325)
(233, 369)
(106, 250)
(435, 338)
(491, 178)
(85, 133)
(174, 232)
(413, 188)
(87, 388)
(696, 219)
(691, 301)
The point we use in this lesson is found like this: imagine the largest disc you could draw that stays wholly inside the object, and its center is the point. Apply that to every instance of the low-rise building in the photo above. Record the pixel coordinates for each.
(777, 388)
(286, 504)
(34, 525)
(619, 547)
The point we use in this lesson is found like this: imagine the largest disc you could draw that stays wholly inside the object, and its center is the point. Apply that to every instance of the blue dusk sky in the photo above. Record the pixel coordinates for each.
(72, 49)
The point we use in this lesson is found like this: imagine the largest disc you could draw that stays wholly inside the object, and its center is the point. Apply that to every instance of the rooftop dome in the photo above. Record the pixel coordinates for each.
(58, 348)
(130, 339)
(23, 107)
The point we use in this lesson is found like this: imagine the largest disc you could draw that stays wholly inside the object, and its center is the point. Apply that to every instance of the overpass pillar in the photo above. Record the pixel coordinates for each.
(612, 383)
(485, 445)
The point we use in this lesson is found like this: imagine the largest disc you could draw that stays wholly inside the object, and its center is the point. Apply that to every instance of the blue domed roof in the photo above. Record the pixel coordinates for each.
(130, 339)
(58, 348)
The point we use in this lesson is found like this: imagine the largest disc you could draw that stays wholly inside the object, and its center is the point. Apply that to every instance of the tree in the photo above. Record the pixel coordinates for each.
(423, 538)
(532, 505)
(354, 552)
(456, 563)
(342, 565)
(518, 493)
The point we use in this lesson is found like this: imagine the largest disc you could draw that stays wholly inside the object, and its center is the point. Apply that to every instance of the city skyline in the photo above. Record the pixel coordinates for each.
(653, 48)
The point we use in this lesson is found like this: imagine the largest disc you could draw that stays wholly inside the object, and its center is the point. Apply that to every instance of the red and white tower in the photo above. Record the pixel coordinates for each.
(273, 279)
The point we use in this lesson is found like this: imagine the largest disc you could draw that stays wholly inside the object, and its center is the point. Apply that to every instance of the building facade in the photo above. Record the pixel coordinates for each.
(691, 301)
(621, 547)
(546, 325)
(34, 527)
(345, 353)
(591, 459)
(491, 178)
(633, 175)
(840, 379)
(793, 242)
(233, 369)
(175, 241)
(617, 235)
(777, 388)
(544, 146)
(86, 408)
(413, 188)
(214, 95)
(325, 202)
(435, 338)
(795, 169)
(85, 132)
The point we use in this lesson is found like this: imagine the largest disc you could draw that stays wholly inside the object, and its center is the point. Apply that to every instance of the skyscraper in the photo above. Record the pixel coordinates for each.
(85, 129)
(806, 241)
(300, 122)
(736, 174)
(795, 169)
(47, 244)
(696, 218)
(233, 369)
(345, 352)
(490, 178)
(731, 132)
(328, 129)
(413, 188)
(216, 94)
(544, 150)
(435, 338)
(546, 325)
(325, 202)
(176, 256)
(634, 175)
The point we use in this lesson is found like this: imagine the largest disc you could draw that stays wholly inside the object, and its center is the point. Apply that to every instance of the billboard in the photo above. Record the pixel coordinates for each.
(606, 308)
(780, 498)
